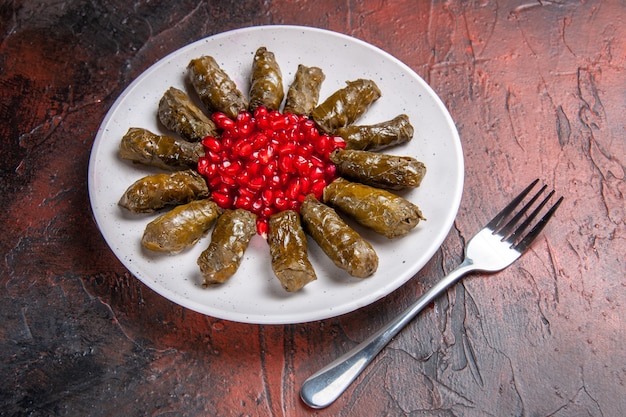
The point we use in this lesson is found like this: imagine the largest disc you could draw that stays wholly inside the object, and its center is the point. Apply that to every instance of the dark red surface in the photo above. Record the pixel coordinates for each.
(537, 89)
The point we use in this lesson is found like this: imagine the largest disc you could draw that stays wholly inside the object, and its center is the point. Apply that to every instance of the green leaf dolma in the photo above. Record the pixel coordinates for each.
(161, 151)
(217, 91)
(180, 227)
(153, 192)
(342, 244)
(380, 210)
(378, 169)
(266, 83)
(345, 105)
(178, 114)
(229, 241)
(377, 136)
(288, 250)
(304, 92)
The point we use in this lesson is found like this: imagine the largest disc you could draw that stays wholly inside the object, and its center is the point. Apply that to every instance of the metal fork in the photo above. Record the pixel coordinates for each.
(492, 249)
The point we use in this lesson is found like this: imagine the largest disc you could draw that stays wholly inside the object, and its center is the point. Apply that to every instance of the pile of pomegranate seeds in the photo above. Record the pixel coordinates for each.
(267, 162)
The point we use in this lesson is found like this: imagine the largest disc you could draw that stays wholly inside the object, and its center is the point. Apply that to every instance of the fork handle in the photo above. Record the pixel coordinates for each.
(326, 385)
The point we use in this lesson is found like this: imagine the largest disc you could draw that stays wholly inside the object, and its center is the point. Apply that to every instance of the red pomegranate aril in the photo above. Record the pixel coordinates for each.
(260, 111)
(285, 163)
(288, 148)
(313, 134)
(243, 148)
(243, 202)
(262, 227)
(260, 140)
(301, 164)
(318, 188)
(316, 173)
(267, 195)
(256, 183)
(212, 143)
(203, 163)
(266, 154)
(246, 193)
(293, 189)
(294, 205)
(305, 185)
(330, 171)
(338, 142)
(305, 150)
(213, 156)
(274, 181)
(284, 178)
(210, 170)
(267, 211)
(243, 178)
(224, 189)
(221, 199)
(257, 205)
(263, 123)
(317, 162)
(266, 162)
(214, 182)
(243, 117)
(223, 122)
(281, 203)
(244, 129)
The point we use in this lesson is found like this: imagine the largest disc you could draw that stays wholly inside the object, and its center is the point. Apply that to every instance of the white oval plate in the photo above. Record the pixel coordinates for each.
(253, 294)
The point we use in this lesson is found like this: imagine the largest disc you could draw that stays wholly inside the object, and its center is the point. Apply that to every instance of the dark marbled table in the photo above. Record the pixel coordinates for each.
(537, 89)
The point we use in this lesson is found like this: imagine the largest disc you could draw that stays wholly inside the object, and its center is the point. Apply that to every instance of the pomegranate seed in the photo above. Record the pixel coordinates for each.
(266, 162)
(221, 199)
(267, 211)
(293, 189)
(301, 164)
(243, 202)
(281, 203)
(246, 193)
(214, 183)
(203, 163)
(212, 143)
(305, 185)
(318, 188)
(267, 195)
(265, 155)
(330, 171)
(288, 148)
(243, 148)
(256, 183)
(260, 112)
(257, 205)
(284, 163)
(262, 227)
(274, 181)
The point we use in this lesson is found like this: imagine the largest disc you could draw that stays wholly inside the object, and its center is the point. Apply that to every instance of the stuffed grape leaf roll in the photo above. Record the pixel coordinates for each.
(304, 91)
(378, 169)
(289, 252)
(161, 151)
(342, 244)
(266, 83)
(180, 227)
(180, 115)
(345, 105)
(229, 241)
(380, 210)
(154, 192)
(217, 91)
(377, 136)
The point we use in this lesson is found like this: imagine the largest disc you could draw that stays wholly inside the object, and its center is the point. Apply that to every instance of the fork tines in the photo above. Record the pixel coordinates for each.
(511, 232)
